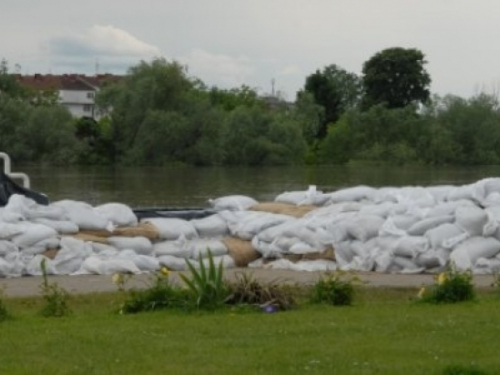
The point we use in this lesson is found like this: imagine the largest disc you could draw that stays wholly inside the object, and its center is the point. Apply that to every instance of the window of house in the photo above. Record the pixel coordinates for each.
(90, 95)
(87, 108)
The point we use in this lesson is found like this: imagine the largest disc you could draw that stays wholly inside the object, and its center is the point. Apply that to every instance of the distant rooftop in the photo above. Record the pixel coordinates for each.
(65, 81)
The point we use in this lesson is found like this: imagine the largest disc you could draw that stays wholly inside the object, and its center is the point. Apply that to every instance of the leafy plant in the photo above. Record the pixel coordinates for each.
(334, 289)
(160, 295)
(56, 298)
(451, 286)
(206, 285)
(246, 290)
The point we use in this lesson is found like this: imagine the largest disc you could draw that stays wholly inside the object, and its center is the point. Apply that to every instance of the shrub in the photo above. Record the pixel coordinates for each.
(206, 285)
(56, 298)
(451, 286)
(246, 290)
(334, 289)
(160, 295)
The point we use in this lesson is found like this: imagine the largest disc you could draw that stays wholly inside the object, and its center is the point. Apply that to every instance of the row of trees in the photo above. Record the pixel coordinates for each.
(162, 115)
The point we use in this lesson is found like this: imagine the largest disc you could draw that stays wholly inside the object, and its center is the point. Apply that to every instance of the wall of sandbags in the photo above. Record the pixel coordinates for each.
(390, 229)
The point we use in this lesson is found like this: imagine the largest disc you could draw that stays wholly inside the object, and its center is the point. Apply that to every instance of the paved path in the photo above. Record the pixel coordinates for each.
(30, 285)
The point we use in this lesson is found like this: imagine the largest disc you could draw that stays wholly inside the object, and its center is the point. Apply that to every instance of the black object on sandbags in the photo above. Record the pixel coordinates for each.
(9, 187)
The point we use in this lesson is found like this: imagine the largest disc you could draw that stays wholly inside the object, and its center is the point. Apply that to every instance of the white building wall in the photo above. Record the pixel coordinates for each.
(79, 103)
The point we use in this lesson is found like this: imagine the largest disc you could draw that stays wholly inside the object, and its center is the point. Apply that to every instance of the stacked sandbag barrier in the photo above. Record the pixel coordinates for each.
(389, 229)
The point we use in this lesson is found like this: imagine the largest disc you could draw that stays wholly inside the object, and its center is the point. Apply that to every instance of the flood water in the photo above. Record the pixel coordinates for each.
(192, 186)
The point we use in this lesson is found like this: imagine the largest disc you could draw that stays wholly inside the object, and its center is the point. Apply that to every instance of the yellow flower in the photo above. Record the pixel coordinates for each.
(442, 278)
(421, 292)
(117, 279)
(164, 271)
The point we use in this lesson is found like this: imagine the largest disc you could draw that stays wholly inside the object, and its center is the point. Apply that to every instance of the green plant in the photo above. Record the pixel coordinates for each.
(56, 298)
(206, 285)
(334, 289)
(451, 286)
(462, 370)
(161, 294)
(246, 290)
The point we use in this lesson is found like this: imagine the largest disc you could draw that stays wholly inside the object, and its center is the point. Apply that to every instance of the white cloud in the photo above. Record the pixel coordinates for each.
(102, 41)
(218, 68)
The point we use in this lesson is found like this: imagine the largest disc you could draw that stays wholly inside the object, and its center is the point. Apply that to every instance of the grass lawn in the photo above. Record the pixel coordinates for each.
(383, 333)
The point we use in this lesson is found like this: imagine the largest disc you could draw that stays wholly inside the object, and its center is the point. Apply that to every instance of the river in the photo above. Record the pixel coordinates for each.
(192, 186)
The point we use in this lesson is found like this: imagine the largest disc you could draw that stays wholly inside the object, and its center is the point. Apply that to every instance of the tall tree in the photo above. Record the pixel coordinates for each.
(336, 90)
(396, 77)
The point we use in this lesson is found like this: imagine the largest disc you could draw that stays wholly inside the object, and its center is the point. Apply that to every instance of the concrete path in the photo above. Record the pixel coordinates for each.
(30, 285)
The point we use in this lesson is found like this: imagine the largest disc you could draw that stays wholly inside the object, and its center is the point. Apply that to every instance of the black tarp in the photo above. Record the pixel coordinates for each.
(9, 187)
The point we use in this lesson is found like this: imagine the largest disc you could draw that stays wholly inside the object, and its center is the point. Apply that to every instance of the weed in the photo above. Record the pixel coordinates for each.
(206, 285)
(246, 290)
(462, 370)
(451, 286)
(161, 294)
(334, 289)
(56, 298)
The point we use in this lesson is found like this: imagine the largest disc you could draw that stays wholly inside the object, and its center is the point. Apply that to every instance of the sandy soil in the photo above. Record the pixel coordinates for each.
(30, 285)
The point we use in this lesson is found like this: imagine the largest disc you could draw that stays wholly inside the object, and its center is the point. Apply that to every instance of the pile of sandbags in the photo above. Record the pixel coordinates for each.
(389, 229)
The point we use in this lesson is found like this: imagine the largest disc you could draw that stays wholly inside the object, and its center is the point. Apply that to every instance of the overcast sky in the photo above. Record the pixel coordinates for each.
(232, 42)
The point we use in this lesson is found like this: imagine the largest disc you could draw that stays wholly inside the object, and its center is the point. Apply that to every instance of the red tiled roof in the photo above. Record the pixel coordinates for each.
(65, 81)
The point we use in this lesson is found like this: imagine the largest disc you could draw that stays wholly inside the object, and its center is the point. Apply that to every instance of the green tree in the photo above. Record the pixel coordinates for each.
(336, 90)
(395, 77)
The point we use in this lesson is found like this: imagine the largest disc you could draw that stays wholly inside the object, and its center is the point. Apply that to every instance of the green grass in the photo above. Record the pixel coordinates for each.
(384, 332)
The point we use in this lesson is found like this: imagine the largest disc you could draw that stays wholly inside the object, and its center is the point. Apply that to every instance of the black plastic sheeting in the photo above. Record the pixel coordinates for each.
(9, 187)
(177, 213)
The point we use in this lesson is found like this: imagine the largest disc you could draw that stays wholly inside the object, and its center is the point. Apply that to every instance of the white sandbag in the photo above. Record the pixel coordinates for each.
(211, 226)
(232, 203)
(404, 222)
(384, 209)
(10, 217)
(302, 248)
(364, 227)
(255, 222)
(7, 247)
(429, 260)
(465, 255)
(491, 200)
(389, 228)
(489, 266)
(34, 266)
(357, 193)
(410, 247)
(16, 263)
(462, 192)
(291, 197)
(422, 226)
(61, 226)
(446, 235)
(8, 230)
(226, 260)
(386, 194)
(305, 265)
(40, 246)
(45, 212)
(344, 253)
(84, 215)
(178, 248)
(67, 261)
(271, 233)
(471, 219)
(32, 234)
(141, 245)
(439, 192)
(143, 262)
(314, 197)
(383, 260)
(5, 267)
(20, 204)
(172, 229)
(95, 265)
(75, 245)
(174, 263)
(448, 208)
(201, 247)
(119, 214)
(99, 248)
(406, 265)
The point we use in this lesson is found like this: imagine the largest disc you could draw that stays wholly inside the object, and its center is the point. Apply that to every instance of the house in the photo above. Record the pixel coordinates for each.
(76, 92)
